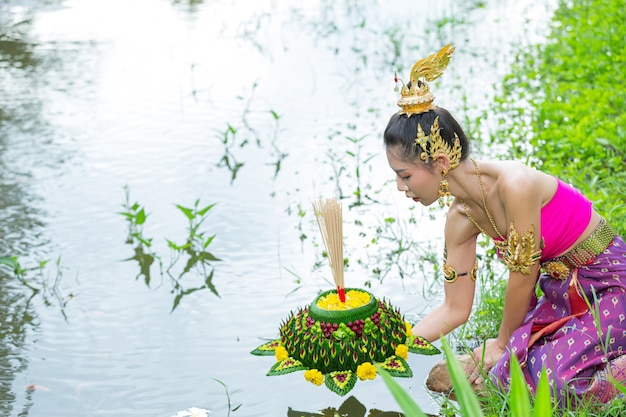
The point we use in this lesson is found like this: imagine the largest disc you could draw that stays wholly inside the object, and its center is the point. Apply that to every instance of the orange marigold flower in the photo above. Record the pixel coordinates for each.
(366, 371)
(402, 351)
(281, 353)
(314, 376)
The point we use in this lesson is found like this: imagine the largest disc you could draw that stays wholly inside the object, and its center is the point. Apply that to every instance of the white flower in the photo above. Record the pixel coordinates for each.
(193, 412)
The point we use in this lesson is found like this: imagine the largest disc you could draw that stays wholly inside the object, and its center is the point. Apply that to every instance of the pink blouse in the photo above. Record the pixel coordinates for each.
(563, 219)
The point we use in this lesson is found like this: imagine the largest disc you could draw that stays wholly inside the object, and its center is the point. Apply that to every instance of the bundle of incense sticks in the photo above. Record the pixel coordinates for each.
(328, 214)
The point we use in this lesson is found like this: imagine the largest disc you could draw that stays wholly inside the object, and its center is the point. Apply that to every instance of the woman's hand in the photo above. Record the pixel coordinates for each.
(490, 352)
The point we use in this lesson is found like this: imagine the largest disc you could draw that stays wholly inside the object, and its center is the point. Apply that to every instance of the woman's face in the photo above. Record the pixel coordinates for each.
(415, 180)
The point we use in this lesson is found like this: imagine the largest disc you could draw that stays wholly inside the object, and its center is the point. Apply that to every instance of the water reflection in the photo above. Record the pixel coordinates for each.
(19, 219)
(351, 407)
(190, 6)
(17, 317)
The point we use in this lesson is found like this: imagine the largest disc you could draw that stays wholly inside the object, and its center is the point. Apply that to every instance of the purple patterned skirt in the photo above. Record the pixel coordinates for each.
(573, 352)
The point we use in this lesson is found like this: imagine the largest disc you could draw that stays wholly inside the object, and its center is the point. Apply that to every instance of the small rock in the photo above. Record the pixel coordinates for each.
(439, 378)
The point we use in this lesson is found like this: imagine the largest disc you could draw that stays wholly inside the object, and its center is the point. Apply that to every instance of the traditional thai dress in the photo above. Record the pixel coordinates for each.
(577, 328)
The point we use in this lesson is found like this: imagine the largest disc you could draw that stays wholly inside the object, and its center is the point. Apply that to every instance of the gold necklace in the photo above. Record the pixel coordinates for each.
(482, 194)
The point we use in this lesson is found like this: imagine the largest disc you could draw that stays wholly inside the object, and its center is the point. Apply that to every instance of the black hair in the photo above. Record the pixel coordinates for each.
(401, 132)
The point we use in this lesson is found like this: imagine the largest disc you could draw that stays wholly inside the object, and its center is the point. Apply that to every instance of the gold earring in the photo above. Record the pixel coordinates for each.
(443, 193)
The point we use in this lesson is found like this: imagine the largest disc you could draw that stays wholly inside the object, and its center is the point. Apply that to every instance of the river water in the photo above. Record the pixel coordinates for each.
(258, 107)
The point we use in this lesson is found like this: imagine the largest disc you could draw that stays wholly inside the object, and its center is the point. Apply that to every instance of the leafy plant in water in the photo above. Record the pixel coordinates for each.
(197, 241)
(359, 163)
(195, 246)
(19, 271)
(350, 164)
(136, 217)
(228, 159)
(279, 155)
(229, 393)
(41, 282)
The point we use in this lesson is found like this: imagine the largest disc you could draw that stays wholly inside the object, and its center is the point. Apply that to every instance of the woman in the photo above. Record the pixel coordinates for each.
(546, 233)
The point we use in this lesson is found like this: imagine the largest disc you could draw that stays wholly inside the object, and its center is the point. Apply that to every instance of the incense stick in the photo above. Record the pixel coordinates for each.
(328, 214)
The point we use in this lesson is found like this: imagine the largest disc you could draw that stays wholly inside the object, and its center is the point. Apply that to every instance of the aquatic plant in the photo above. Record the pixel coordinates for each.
(42, 282)
(194, 247)
(136, 216)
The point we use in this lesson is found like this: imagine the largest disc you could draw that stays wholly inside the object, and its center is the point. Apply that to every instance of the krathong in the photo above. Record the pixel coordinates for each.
(339, 347)
(344, 332)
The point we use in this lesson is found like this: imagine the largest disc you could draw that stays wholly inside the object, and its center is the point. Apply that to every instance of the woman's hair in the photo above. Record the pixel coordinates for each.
(401, 132)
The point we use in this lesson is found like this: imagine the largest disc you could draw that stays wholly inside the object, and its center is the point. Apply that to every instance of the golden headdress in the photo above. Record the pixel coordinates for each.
(417, 98)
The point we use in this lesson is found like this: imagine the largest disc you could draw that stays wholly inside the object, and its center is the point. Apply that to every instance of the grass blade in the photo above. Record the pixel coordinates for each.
(404, 400)
(519, 400)
(465, 395)
(543, 402)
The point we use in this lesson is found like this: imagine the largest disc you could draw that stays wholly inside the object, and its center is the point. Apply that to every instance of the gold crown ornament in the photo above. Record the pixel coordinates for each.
(417, 98)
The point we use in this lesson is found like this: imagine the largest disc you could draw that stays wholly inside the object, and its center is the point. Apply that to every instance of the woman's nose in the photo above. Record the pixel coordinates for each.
(401, 185)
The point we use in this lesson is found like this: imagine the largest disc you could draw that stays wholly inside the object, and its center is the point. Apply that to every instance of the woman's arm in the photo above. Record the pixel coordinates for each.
(523, 209)
(460, 238)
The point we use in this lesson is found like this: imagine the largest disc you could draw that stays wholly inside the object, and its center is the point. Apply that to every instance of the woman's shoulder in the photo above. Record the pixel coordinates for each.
(515, 180)
(458, 227)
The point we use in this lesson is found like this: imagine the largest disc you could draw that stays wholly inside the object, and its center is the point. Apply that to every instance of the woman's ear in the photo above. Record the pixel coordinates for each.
(442, 162)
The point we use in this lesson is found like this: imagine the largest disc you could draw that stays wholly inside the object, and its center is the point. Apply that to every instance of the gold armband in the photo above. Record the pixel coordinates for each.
(518, 251)
(474, 271)
(450, 275)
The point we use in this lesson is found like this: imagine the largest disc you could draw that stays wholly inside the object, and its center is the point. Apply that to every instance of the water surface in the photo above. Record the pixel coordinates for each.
(257, 106)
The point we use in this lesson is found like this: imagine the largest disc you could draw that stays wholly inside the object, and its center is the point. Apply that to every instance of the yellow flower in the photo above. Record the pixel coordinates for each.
(281, 353)
(402, 351)
(354, 299)
(409, 328)
(314, 376)
(366, 371)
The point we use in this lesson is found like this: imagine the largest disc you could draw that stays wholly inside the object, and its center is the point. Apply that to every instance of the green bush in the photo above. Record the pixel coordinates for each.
(563, 107)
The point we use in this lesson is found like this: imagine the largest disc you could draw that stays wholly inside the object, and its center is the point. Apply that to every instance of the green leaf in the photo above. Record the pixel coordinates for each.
(207, 208)
(463, 390)
(141, 217)
(519, 400)
(404, 400)
(208, 241)
(173, 245)
(543, 402)
(8, 261)
(186, 211)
